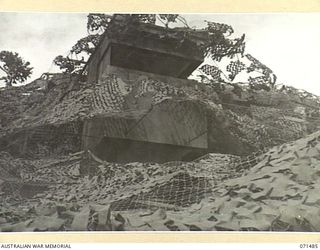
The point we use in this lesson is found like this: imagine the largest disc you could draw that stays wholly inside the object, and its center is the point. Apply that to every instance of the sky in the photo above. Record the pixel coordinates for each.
(288, 43)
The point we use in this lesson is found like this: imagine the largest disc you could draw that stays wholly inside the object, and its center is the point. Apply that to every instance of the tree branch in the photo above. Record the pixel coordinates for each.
(5, 71)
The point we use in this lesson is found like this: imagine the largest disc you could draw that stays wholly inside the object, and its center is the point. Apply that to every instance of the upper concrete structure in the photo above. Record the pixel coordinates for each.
(147, 48)
(145, 64)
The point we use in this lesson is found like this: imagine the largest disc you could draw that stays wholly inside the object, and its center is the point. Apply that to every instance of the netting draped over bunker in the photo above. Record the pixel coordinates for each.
(182, 190)
(135, 101)
(239, 193)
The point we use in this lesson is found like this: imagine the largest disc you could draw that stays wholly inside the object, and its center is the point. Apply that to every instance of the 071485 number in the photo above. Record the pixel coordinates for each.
(313, 246)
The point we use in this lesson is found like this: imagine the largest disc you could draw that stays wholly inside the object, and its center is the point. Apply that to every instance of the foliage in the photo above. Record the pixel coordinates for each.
(15, 68)
(97, 24)
(86, 44)
(168, 18)
(215, 42)
(68, 65)
(218, 45)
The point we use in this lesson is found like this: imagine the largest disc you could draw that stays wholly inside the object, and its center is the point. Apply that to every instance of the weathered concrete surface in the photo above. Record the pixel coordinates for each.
(166, 115)
(143, 48)
(181, 123)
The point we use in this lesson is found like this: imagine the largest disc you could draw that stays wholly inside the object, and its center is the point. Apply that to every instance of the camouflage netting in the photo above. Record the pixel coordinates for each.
(276, 190)
(49, 113)
(63, 104)
(45, 186)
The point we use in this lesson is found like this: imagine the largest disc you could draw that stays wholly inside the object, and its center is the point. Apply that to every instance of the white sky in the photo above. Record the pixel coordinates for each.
(289, 44)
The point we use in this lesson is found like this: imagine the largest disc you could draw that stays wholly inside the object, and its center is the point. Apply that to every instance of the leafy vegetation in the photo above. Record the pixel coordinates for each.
(15, 68)
(216, 44)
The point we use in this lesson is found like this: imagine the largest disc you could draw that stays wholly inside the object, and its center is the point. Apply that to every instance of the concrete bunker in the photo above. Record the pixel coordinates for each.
(171, 130)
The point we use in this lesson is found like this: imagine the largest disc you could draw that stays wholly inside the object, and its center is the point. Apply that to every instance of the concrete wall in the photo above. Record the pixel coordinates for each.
(175, 123)
(147, 53)
(164, 129)
(99, 60)
(155, 109)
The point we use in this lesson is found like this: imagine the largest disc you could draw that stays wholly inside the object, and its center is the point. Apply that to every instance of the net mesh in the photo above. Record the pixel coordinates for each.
(182, 190)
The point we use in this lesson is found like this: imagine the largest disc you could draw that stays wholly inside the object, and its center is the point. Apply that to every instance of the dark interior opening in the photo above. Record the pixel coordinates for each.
(125, 150)
(151, 61)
